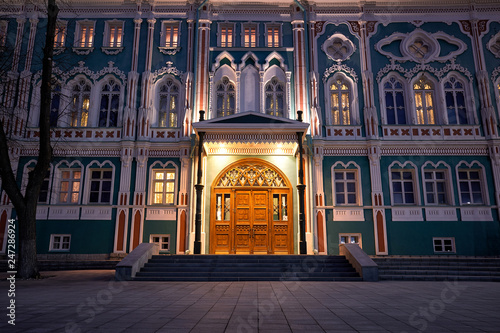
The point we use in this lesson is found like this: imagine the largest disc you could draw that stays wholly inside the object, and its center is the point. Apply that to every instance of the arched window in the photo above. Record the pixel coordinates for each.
(455, 101)
(110, 102)
(226, 96)
(169, 98)
(394, 102)
(275, 97)
(80, 96)
(424, 101)
(55, 104)
(340, 101)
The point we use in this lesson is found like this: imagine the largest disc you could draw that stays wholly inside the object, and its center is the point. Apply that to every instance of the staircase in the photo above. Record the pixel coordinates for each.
(247, 268)
(438, 268)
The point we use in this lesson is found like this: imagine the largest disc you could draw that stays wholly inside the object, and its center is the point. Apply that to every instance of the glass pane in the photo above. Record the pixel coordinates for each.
(106, 175)
(351, 187)
(227, 207)
(339, 187)
(339, 175)
(276, 207)
(398, 198)
(340, 199)
(284, 207)
(159, 175)
(158, 198)
(105, 197)
(170, 187)
(169, 198)
(396, 187)
(350, 175)
(351, 198)
(409, 199)
(106, 186)
(64, 186)
(396, 175)
(218, 207)
(158, 187)
(170, 175)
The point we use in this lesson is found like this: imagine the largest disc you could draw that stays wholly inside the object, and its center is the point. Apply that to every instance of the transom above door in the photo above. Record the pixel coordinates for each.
(251, 211)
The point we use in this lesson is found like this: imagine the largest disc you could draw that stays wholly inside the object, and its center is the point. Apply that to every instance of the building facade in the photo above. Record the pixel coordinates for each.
(255, 127)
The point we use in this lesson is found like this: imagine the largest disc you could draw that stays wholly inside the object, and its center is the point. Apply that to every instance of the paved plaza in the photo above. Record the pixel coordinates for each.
(91, 301)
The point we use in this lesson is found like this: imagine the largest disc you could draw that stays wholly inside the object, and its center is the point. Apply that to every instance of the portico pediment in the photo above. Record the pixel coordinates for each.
(250, 133)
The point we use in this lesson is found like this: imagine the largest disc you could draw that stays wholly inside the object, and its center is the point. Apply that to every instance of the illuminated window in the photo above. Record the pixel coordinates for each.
(340, 101)
(163, 186)
(170, 34)
(169, 100)
(80, 104)
(280, 207)
(394, 102)
(275, 97)
(455, 101)
(470, 187)
(3, 33)
(223, 207)
(163, 241)
(435, 186)
(249, 35)
(100, 186)
(69, 192)
(345, 187)
(59, 242)
(350, 239)
(110, 102)
(85, 34)
(226, 35)
(444, 244)
(403, 187)
(226, 96)
(60, 35)
(114, 34)
(424, 101)
(273, 35)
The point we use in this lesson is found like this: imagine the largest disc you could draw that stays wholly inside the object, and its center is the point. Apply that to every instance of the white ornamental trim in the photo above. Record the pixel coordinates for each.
(111, 50)
(340, 68)
(169, 69)
(410, 73)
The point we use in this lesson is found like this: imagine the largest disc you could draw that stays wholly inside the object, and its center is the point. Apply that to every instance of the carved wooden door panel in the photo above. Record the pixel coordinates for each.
(222, 241)
(260, 221)
(281, 230)
(243, 222)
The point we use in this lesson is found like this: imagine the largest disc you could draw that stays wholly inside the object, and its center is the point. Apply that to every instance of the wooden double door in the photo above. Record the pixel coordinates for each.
(256, 221)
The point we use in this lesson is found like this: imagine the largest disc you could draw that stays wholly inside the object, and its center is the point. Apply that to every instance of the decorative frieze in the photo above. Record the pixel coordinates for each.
(162, 214)
(402, 132)
(407, 214)
(96, 213)
(348, 214)
(64, 212)
(440, 214)
(476, 214)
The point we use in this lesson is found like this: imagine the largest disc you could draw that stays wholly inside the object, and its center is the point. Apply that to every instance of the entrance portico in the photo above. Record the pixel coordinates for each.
(250, 172)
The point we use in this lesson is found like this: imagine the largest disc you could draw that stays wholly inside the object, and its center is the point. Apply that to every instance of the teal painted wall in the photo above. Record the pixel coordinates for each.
(161, 227)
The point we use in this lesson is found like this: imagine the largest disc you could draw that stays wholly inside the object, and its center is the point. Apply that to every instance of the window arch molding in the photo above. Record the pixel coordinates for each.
(249, 87)
(392, 78)
(276, 72)
(96, 107)
(473, 165)
(59, 167)
(468, 97)
(439, 118)
(446, 169)
(106, 164)
(67, 97)
(158, 165)
(223, 71)
(353, 99)
(406, 166)
(156, 104)
(34, 115)
(349, 166)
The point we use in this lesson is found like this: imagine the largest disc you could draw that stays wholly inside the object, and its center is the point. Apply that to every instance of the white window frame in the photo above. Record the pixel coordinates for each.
(158, 166)
(82, 82)
(108, 35)
(473, 167)
(101, 181)
(347, 167)
(244, 27)
(60, 36)
(167, 28)
(223, 42)
(469, 102)
(438, 167)
(225, 92)
(88, 43)
(64, 166)
(406, 167)
(353, 96)
(349, 235)
(383, 105)
(274, 95)
(441, 240)
(4, 26)
(161, 242)
(110, 95)
(168, 110)
(52, 246)
(70, 181)
(274, 27)
(92, 166)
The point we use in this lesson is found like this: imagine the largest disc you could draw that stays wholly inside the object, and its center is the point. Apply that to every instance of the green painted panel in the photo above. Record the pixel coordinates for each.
(161, 228)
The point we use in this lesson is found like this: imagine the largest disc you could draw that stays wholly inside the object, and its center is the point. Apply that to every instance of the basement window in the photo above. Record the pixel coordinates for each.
(444, 245)
(60, 242)
(162, 240)
(350, 239)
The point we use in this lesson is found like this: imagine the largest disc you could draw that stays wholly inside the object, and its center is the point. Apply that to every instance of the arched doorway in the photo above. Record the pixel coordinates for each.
(251, 210)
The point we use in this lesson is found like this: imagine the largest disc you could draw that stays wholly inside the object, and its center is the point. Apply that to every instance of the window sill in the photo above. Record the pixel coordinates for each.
(111, 50)
(59, 50)
(83, 50)
(169, 50)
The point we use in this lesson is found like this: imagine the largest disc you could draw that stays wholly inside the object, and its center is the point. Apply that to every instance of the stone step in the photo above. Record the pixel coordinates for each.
(247, 268)
(439, 278)
(437, 272)
(452, 268)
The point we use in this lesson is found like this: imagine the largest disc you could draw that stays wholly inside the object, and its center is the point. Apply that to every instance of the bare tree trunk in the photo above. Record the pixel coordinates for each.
(26, 206)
